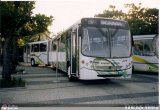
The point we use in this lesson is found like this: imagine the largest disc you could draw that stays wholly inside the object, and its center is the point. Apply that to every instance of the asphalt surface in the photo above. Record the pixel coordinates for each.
(41, 90)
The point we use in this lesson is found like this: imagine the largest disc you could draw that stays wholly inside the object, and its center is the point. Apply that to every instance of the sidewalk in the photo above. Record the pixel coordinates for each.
(40, 86)
(42, 89)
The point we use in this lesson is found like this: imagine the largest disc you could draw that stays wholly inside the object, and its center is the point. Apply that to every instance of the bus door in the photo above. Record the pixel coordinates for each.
(48, 51)
(68, 51)
(72, 53)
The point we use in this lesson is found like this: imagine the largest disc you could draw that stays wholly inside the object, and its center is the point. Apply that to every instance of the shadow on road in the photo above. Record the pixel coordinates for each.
(146, 73)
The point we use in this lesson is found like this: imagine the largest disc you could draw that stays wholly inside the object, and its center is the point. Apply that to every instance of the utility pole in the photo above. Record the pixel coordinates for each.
(56, 64)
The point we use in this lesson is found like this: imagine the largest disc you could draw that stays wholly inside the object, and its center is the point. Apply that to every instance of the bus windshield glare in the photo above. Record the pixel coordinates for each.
(106, 42)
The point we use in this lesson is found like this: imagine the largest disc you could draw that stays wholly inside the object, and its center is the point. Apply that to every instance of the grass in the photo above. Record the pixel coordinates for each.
(15, 82)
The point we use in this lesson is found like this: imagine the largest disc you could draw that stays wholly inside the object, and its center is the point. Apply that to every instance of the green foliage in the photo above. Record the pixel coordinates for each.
(112, 12)
(15, 82)
(37, 25)
(14, 16)
(20, 42)
(42, 22)
(17, 22)
(141, 20)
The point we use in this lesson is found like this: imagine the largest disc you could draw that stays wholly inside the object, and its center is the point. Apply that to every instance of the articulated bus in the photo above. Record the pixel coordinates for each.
(145, 53)
(39, 53)
(95, 48)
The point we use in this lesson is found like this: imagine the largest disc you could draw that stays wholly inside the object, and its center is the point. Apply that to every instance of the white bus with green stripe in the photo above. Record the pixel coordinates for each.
(39, 53)
(145, 53)
(95, 48)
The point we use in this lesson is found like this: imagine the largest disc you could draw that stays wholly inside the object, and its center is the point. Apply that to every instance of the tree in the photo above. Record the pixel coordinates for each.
(141, 20)
(33, 29)
(17, 22)
(36, 27)
(112, 12)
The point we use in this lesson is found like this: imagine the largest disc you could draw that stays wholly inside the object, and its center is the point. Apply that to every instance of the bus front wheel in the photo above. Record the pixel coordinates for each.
(32, 62)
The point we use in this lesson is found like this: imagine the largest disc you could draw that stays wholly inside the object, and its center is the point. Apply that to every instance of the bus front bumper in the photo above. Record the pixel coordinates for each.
(88, 74)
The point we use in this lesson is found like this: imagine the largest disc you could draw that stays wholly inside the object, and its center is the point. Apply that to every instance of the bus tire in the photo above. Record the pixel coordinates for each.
(32, 62)
(133, 69)
(70, 77)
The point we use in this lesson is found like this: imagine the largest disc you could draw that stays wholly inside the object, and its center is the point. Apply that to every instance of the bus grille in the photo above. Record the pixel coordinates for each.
(107, 68)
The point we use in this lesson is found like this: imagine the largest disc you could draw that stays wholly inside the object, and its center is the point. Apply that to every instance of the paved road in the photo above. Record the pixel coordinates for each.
(41, 90)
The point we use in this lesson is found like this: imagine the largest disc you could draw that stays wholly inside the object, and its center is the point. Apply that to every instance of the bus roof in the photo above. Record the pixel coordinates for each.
(139, 37)
(102, 18)
(80, 21)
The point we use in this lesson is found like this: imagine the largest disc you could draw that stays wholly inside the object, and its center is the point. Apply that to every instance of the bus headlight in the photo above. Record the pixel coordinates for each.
(82, 61)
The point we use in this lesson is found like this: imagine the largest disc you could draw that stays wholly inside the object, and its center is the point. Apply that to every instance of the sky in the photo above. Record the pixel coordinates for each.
(67, 12)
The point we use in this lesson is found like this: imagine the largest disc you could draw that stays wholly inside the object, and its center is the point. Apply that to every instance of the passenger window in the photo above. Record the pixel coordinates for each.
(43, 47)
(35, 47)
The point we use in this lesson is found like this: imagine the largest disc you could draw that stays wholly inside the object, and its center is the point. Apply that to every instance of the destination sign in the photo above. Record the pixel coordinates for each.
(111, 23)
(104, 22)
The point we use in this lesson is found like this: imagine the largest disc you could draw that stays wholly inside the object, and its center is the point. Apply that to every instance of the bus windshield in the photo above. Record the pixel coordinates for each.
(144, 47)
(106, 42)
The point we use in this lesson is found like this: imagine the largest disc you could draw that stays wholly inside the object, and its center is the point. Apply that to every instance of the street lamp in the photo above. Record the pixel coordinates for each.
(56, 64)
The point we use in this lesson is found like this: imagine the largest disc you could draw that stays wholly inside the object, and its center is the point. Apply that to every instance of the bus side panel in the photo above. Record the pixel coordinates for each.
(52, 58)
(39, 53)
(145, 63)
(42, 57)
